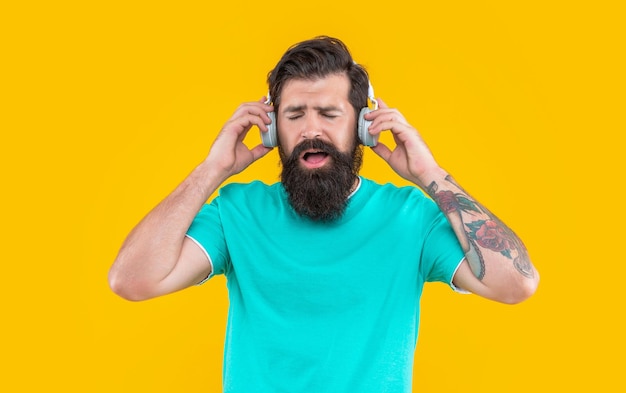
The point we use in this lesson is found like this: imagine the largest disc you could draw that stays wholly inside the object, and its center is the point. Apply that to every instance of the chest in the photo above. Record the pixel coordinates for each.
(353, 267)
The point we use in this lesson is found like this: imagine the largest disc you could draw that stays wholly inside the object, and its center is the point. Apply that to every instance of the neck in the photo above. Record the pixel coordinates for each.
(355, 186)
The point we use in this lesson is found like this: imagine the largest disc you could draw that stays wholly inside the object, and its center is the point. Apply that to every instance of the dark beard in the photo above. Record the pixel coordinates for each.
(320, 194)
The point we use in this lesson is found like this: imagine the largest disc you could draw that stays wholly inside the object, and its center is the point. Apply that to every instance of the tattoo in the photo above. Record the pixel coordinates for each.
(432, 189)
(475, 259)
(488, 232)
(490, 235)
(522, 262)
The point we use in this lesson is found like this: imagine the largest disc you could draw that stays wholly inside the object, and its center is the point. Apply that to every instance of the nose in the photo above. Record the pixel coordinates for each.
(312, 128)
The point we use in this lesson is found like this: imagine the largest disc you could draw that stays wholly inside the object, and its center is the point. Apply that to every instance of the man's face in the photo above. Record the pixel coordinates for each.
(317, 146)
(316, 109)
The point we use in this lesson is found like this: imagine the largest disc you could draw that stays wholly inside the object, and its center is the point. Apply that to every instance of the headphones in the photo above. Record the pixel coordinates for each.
(270, 138)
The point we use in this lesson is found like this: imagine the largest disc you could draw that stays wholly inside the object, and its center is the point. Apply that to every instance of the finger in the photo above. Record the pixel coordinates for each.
(252, 120)
(266, 104)
(237, 129)
(257, 108)
(390, 123)
(385, 115)
(251, 115)
(263, 113)
(259, 151)
(381, 103)
(382, 151)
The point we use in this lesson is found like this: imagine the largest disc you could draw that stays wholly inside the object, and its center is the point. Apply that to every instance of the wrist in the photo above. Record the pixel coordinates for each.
(207, 177)
(215, 170)
(427, 178)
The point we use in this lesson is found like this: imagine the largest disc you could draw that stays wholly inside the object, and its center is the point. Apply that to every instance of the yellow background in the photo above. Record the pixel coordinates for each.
(106, 106)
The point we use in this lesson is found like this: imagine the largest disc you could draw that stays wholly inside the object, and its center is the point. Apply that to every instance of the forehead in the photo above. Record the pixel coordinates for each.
(333, 88)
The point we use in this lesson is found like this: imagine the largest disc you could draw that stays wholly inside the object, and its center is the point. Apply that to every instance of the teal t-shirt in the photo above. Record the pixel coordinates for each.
(324, 307)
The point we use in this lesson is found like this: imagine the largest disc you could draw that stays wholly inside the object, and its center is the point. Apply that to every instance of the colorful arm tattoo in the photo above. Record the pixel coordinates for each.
(486, 232)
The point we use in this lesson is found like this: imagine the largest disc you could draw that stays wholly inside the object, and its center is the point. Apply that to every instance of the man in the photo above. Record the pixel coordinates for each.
(325, 269)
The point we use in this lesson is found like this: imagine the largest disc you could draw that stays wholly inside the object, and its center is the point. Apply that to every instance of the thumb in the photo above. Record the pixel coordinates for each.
(259, 151)
(382, 151)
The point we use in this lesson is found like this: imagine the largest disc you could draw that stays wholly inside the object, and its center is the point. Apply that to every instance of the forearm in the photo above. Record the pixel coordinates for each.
(496, 255)
(153, 247)
(499, 267)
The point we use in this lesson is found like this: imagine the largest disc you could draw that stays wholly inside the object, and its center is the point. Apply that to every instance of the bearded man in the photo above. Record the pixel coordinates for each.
(325, 269)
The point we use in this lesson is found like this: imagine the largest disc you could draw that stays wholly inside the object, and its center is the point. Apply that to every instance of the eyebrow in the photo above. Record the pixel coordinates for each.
(299, 108)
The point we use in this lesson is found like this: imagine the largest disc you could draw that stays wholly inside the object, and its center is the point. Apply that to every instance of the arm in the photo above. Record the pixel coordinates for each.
(156, 257)
(496, 263)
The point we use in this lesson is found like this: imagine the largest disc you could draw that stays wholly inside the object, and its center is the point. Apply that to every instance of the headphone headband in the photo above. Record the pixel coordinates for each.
(370, 89)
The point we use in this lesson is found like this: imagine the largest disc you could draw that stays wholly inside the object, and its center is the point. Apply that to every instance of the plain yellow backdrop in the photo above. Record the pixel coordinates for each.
(107, 106)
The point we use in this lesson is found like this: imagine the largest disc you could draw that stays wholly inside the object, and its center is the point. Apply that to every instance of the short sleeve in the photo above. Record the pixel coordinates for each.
(207, 232)
(442, 254)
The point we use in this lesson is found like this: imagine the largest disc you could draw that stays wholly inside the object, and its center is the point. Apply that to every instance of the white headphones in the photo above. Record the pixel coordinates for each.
(366, 138)
(270, 138)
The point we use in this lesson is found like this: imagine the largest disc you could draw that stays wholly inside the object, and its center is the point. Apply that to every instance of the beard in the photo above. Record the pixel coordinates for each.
(320, 194)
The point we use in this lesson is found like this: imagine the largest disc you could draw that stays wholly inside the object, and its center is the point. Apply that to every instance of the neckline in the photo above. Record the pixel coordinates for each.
(355, 202)
(358, 185)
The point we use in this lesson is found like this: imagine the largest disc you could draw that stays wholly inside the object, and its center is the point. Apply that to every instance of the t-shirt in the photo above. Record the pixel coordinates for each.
(324, 307)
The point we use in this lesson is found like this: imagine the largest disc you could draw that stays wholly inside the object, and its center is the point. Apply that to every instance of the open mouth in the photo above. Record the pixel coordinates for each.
(314, 158)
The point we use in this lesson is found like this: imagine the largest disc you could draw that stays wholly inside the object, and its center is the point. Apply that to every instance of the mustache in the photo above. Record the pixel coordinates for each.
(314, 144)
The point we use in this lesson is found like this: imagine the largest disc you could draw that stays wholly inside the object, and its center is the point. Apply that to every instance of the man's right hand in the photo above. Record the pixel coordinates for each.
(157, 258)
(228, 154)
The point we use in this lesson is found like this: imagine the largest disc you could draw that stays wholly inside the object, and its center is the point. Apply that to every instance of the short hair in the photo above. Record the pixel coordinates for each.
(317, 58)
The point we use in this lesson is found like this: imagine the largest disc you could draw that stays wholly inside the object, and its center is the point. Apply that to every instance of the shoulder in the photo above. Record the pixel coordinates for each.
(253, 195)
(404, 201)
(247, 190)
(392, 192)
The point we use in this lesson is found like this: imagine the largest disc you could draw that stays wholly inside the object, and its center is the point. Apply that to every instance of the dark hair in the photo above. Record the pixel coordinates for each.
(317, 58)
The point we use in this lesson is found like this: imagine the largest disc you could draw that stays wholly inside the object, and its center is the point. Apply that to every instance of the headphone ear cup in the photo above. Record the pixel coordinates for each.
(269, 138)
(366, 138)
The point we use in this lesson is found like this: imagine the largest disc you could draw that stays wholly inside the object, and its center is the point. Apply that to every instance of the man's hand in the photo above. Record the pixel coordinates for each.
(500, 271)
(410, 158)
(228, 154)
(157, 258)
